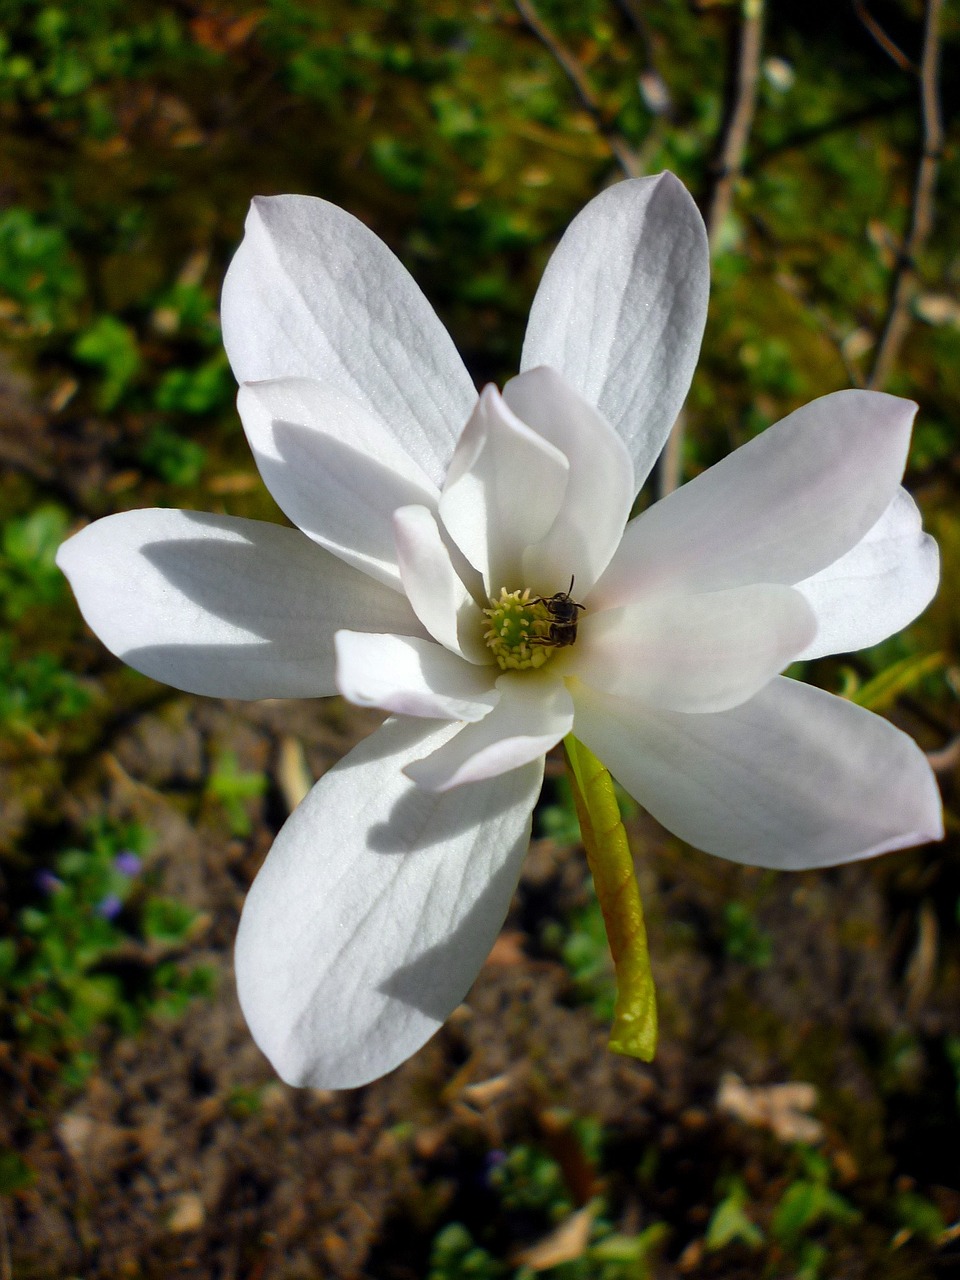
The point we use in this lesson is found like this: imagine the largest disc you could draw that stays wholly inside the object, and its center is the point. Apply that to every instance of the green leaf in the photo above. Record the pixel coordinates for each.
(195, 390)
(112, 347)
(804, 1204)
(37, 270)
(920, 1216)
(175, 459)
(634, 1030)
(729, 1223)
(883, 690)
(165, 920)
(233, 787)
(28, 572)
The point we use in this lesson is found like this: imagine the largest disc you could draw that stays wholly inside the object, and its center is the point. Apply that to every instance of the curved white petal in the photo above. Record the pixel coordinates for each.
(794, 778)
(621, 308)
(599, 491)
(779, 509)
(313, 293)
(218, 605)
(880, 586)
(412, 677)
(375, 909)
(333, 468)
(701, 653)
(533, 714)
(434, 588)
(503, 491)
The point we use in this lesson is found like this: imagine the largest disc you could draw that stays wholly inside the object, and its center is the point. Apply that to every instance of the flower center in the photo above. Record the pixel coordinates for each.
(525, 630)
(515, 620)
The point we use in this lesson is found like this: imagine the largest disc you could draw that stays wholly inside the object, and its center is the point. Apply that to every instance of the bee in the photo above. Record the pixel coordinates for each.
(563, 618)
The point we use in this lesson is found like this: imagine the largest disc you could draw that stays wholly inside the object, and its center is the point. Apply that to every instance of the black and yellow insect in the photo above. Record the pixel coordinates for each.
(562, 629)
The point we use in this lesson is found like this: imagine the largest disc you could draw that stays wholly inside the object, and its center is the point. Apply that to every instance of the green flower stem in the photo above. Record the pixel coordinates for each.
(634, 1030)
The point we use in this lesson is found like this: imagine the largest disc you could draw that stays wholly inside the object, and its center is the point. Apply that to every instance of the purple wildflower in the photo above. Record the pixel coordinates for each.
(128, 863)
(109, 907)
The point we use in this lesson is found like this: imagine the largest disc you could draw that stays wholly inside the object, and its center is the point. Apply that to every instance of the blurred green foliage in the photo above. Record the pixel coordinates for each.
(40, 282)
(233, 789)
(581, 942)
(743, 937)
(800, 1222)
(455, 1256)
(528, 1180)
(730, 1223)
(175, 459)
(28, 572)
(36, 693)
(530, 1187)
(94, 947)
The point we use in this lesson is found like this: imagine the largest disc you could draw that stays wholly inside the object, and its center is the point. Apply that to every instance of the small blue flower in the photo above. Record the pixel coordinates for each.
(128, 863)
(109, 907)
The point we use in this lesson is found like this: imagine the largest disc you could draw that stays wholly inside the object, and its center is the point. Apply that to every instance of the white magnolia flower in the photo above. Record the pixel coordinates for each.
(442, 542)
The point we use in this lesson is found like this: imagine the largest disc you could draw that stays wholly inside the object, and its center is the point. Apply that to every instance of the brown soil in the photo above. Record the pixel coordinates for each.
(184, 1156)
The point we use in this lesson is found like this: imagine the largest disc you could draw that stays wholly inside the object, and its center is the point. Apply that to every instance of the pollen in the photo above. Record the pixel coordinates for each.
(515, 619)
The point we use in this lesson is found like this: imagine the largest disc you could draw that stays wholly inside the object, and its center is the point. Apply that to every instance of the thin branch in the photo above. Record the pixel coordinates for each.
(728, 166)
(945, 759)
(882, 39)
(922, 211)
(620, 148)
(727, 170)
(638, 20)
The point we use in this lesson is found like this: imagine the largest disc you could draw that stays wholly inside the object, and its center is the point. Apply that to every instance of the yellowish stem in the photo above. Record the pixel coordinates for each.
(634, 1029)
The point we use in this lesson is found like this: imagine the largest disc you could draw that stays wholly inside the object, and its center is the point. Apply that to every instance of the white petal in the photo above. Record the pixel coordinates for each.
(333, 468)
(779, 509)
(621, 308)
(794, 778)
(694, 653)
(503, 491)
(313, 293)
(218, 605)
(880, 586)
(533, 714)
(599, 490)
(435, 589)
(412, 677)
(375, 909)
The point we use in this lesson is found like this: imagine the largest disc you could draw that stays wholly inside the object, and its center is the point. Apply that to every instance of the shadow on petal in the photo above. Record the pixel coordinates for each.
(224, 578)
(437, 981)
(266, 670)
(359, 494)
(420, 819)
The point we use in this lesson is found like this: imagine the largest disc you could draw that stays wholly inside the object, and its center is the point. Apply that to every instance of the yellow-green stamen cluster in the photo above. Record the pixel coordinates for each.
(515, 620)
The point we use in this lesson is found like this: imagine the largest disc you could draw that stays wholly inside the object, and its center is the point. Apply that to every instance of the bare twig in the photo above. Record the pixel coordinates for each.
(727, 170)
(728, 165)
(946, 758)
(882, 39)
(620, 148)
(638, 20)
(922, 210)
